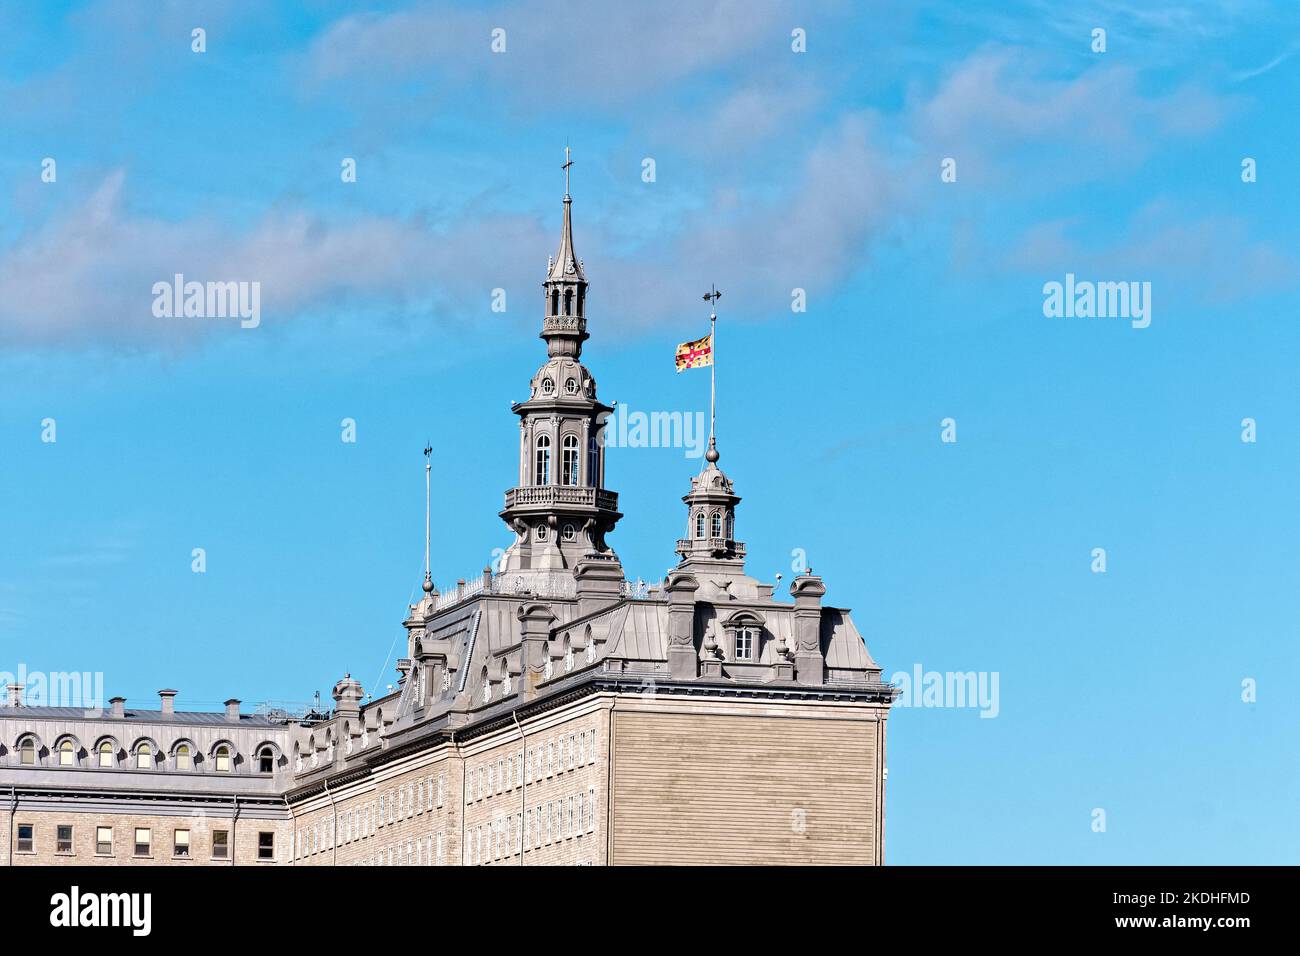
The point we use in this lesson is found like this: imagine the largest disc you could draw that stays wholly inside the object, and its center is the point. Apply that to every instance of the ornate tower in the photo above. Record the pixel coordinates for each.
(560, 511)
(711, 545)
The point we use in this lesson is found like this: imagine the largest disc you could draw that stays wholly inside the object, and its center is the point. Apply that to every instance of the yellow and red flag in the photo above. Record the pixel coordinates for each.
(697, 354)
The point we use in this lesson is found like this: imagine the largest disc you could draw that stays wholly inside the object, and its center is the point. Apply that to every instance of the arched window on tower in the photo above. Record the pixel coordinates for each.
(593, 462)
(568, 302)
(569, 460)
(699, 525)
(731, 525)
(542, 466)
(715, 525)
(555, 302)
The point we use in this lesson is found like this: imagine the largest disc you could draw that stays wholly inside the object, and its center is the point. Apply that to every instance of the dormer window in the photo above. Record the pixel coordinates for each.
(184, 758)
(144, 757)
(571, 386)
(67, 754)
(221, 759)
(106, 754)
(266, 758)
(27, 752)
(548, 386)
(746, 640)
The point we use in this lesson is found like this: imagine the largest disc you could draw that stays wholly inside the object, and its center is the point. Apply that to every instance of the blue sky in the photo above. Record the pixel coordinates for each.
(775, 170)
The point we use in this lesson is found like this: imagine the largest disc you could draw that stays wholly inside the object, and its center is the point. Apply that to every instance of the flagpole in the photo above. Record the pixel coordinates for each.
(428, 467)
(713, 372)
(712, 296)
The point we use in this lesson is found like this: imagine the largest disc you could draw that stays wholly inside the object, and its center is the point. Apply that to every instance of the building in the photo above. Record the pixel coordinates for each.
(549, 712)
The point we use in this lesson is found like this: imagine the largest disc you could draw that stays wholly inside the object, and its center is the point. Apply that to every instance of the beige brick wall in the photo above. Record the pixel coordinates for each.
(85, 824)
(712, 783)
(693, 781)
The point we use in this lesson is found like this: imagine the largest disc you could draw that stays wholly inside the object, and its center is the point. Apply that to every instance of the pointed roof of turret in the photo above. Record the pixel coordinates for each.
(566, 266)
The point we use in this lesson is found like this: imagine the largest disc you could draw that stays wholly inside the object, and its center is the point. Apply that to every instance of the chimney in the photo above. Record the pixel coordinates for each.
(15, 695)
(809, 664)
(168, 702)
(117, 706)
(683, 658)
(232, 710)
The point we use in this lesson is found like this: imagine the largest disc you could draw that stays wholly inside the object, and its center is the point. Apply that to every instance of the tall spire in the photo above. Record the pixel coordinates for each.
(566, 266)
(565, 288)
(560, 511)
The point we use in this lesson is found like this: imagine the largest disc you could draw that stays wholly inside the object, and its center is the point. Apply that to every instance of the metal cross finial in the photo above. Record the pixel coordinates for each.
(567, 163)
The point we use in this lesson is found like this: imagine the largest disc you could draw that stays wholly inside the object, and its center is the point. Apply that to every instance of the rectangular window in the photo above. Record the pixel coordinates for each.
(266, 845)
(550, 820)
(572, 747)
(410, 800)
(26, 837)
(591, 749)
(439, 849)
(181, 843)
(582, 748)
(501, 774)
(537, 829)
(63, 839)
(440, 777)
(528, 772)
(220, 844)
(104, 841)
(569, 820)
(550, 758)
(143, 836)
(383, 801)
(744, 644)
(591, 799)
(419, 798)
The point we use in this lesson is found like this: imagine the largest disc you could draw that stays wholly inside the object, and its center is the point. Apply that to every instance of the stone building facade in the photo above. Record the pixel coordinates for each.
(549, 712)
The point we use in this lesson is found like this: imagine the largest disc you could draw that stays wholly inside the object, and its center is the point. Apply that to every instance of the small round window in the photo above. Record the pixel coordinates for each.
(547, 386)
(571, 386)
(541, 532)
(569, 533)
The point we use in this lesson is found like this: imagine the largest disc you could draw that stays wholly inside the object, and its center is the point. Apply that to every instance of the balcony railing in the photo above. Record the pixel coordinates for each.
(542, 584)
(550, 495)
(712, 545)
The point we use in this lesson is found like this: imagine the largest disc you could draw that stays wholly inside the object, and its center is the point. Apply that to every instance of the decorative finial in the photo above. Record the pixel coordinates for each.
(712, 456)
(567, 163)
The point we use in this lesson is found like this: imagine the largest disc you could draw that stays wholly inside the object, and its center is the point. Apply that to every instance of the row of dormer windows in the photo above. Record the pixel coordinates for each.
(143, 756)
